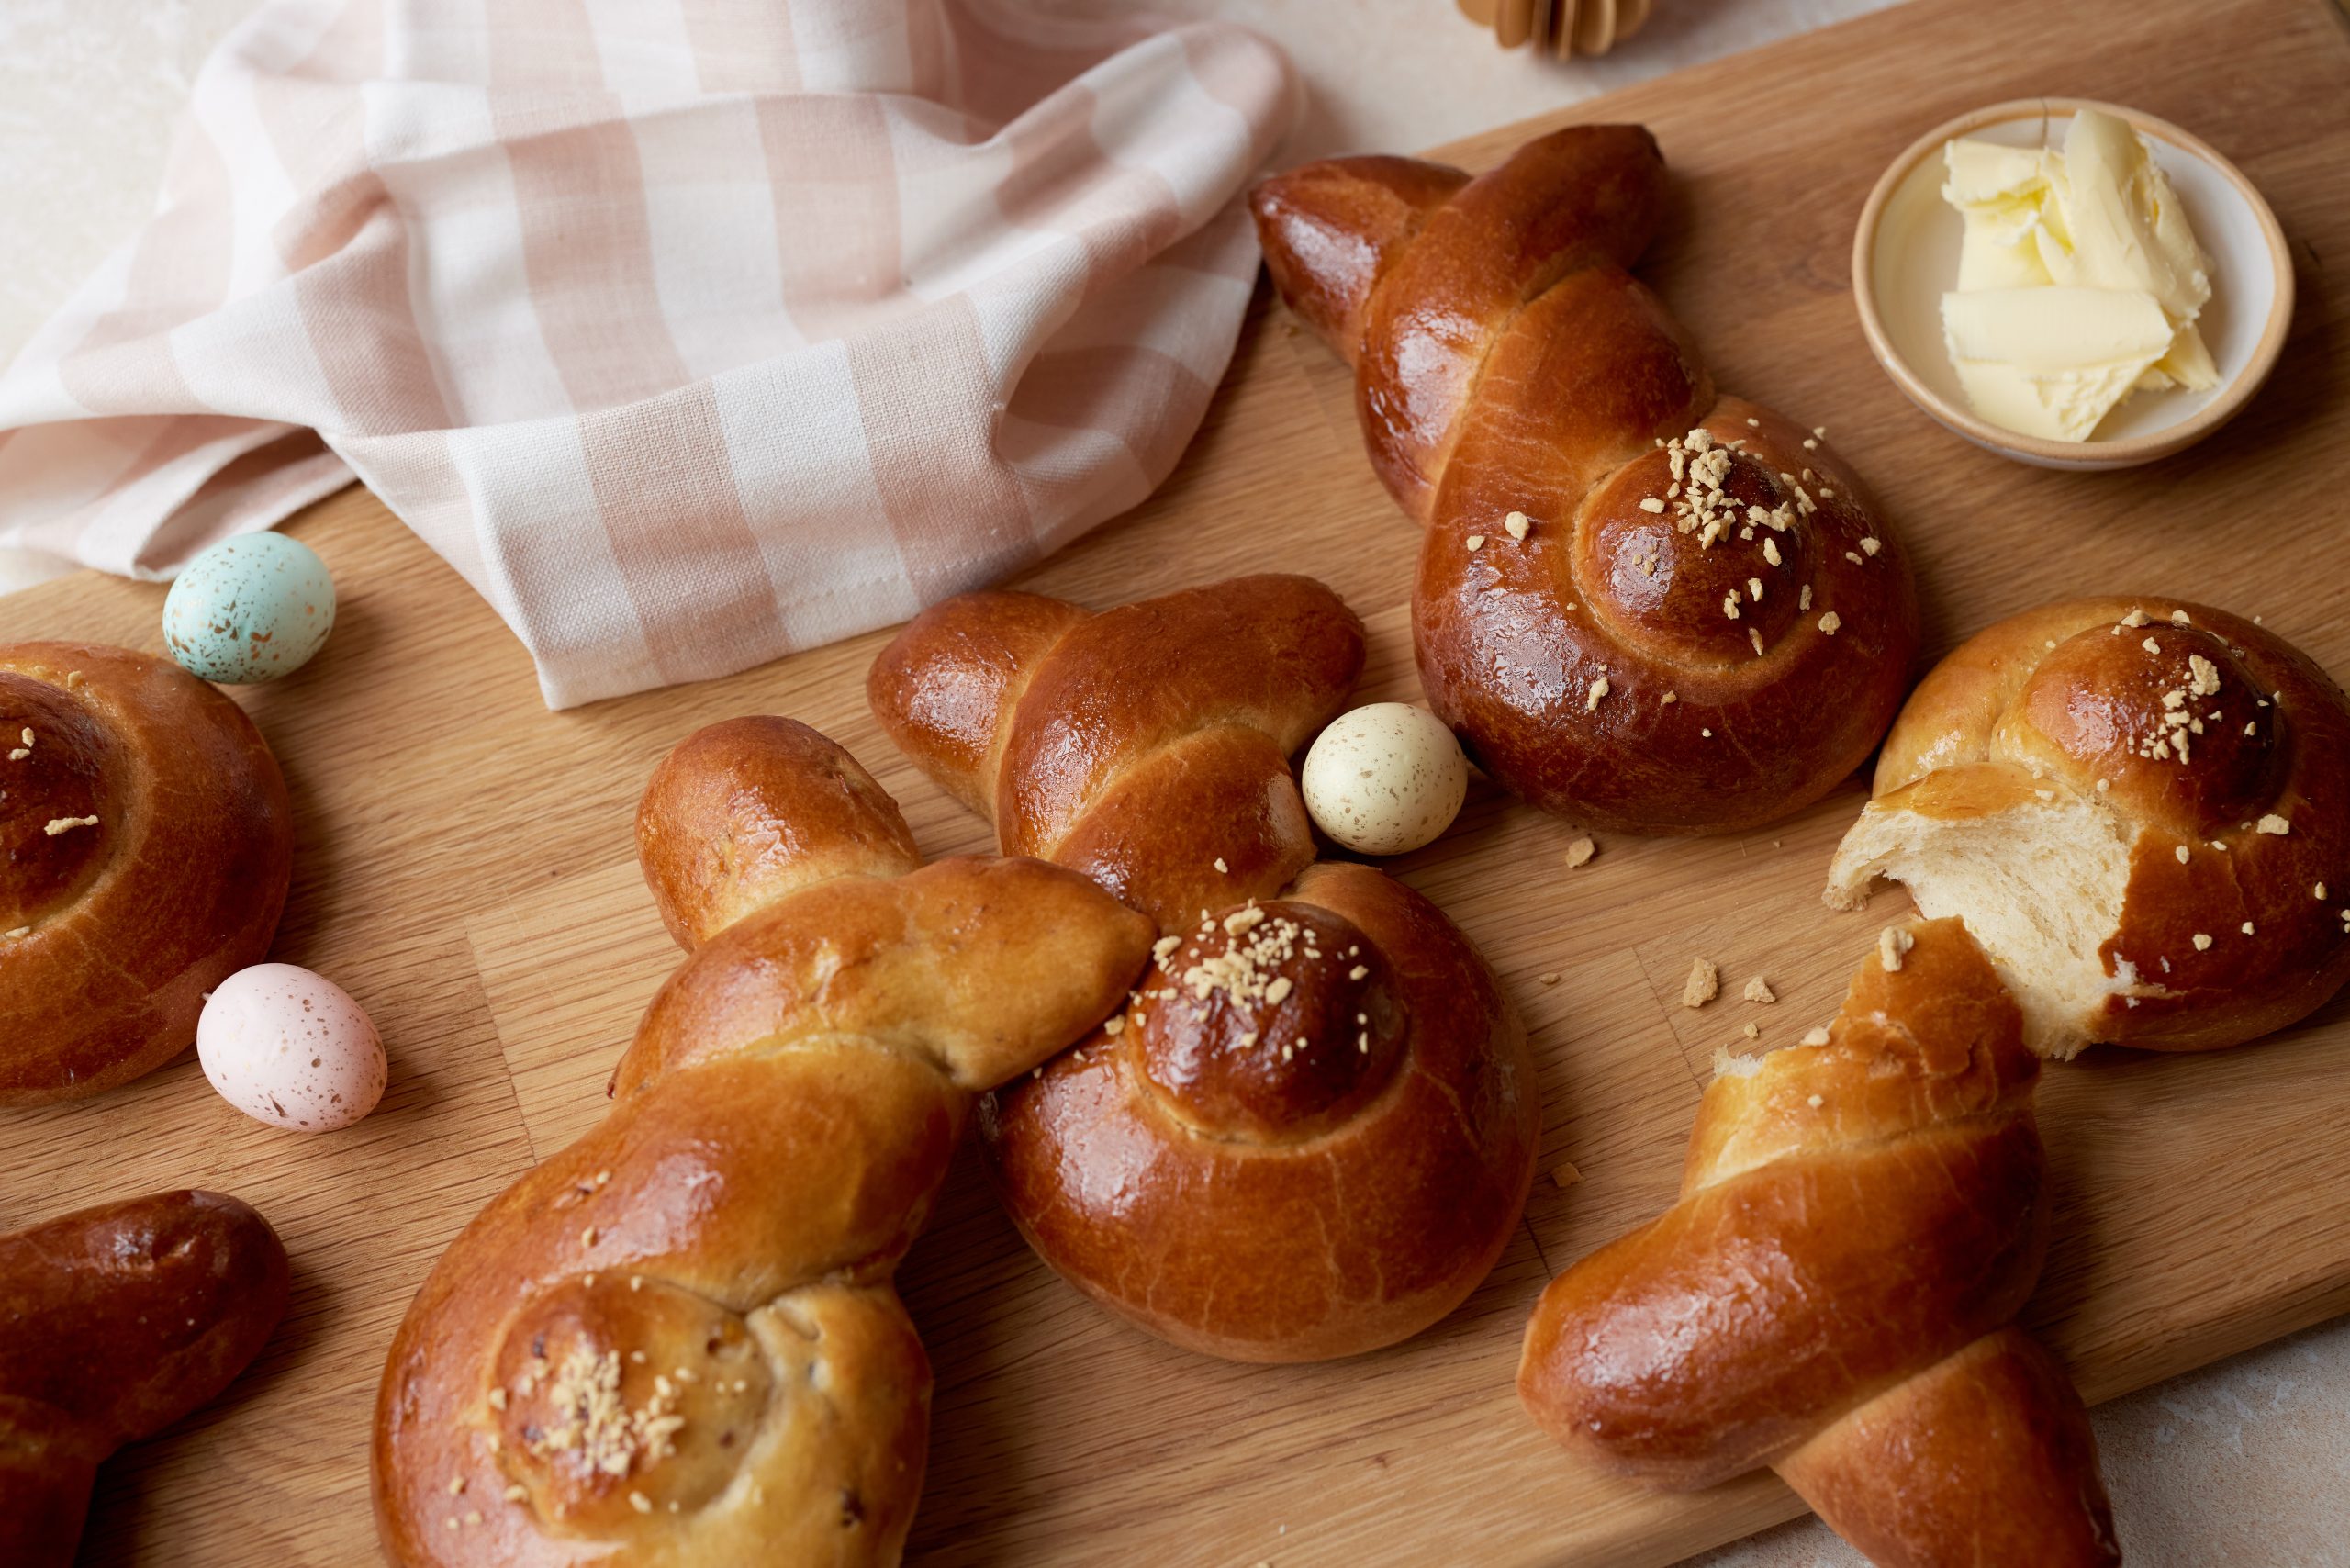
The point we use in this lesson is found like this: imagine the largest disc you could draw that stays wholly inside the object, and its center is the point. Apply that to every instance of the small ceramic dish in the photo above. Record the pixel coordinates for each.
(1904, 257)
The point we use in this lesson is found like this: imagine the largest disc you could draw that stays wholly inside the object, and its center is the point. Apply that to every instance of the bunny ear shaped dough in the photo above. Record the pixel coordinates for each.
(1860, 1220)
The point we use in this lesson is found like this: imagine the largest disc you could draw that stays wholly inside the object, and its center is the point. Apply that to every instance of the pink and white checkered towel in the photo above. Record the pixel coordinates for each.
(690, 331)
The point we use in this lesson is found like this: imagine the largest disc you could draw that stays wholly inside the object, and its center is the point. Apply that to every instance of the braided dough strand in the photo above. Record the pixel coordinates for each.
(676, 1341)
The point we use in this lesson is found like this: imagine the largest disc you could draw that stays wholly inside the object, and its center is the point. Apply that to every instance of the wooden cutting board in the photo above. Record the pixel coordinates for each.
(465, 868)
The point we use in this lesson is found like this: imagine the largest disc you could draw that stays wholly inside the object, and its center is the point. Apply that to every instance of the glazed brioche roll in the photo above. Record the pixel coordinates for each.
(2141, 806)
(146, 846)
(677, 1342)
(1313, 1130)
(1641, 603)
(1310, 1134)
(119, 1320)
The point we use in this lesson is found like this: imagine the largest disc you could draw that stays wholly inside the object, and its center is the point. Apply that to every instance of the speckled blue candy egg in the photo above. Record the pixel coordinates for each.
(250, 608)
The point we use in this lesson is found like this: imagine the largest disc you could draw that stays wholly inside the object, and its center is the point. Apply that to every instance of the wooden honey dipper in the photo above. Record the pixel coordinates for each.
(1565, 27)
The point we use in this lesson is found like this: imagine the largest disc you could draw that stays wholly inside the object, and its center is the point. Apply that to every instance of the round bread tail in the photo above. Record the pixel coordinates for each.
(120, 1319)
(1641, 604)
(1859, 1222)
(1309, 1135)
(146, 845)
(2141, 806)
(676, 1341)
(1147, 747)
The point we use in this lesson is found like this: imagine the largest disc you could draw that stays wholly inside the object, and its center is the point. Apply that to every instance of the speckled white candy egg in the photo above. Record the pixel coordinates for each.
(250, 608)
(291, 1049)
(1384, 778)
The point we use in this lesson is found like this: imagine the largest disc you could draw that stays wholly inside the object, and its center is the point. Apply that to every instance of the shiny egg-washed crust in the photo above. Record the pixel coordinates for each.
(710, 1268)
(1506, 361)
(713, 833)
(114, 1322)
(1285, 1180)
(112, 932)
(1859, 1222)
(2061, 698)
(1141, 745)
(1264, 1178)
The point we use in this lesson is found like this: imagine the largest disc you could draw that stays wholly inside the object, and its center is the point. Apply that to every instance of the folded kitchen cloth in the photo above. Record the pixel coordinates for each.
(691, 333)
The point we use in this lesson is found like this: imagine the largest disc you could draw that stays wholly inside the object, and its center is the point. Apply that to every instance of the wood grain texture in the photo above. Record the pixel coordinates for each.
(464, 868)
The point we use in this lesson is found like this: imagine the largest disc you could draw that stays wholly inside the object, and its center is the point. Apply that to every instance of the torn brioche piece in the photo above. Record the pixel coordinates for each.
(2135, 805)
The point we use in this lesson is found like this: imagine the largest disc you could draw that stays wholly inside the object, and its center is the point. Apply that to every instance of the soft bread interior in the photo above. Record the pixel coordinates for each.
(2040, 883)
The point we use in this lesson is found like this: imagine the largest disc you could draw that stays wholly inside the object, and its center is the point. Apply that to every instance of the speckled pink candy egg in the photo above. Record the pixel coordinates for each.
(291, 1049)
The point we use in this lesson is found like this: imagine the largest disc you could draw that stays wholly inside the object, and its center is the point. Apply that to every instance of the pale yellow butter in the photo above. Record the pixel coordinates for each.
(2000, 191)
(2079, 280)
(2051, 361)
(2065, 326)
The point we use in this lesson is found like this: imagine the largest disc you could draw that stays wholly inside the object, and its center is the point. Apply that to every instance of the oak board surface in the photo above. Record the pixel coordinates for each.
(465, 868)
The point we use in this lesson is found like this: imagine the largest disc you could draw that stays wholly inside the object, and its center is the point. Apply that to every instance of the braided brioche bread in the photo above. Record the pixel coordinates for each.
(2142, 809)
(1640, 603)
(1860, 1220)
(676, 1341)
(146, 845)
(1313, 1130)
(1310, 1134)
(1147, 747)
(119, 1320)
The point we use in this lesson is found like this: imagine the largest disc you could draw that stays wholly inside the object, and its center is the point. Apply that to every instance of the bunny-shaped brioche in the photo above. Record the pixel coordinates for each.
(676, 1342)
(1642, 604)
(2139, 807)
(1833, 1295)
(1312, 1132)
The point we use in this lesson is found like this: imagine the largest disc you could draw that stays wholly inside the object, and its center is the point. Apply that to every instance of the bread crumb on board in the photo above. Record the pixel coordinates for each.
(1705, 983)
(1580, 852)
(1565, 1174)
(1759, 990)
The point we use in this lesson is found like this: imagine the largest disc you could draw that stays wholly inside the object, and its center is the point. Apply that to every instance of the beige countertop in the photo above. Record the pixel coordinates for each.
(2245, 1463)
